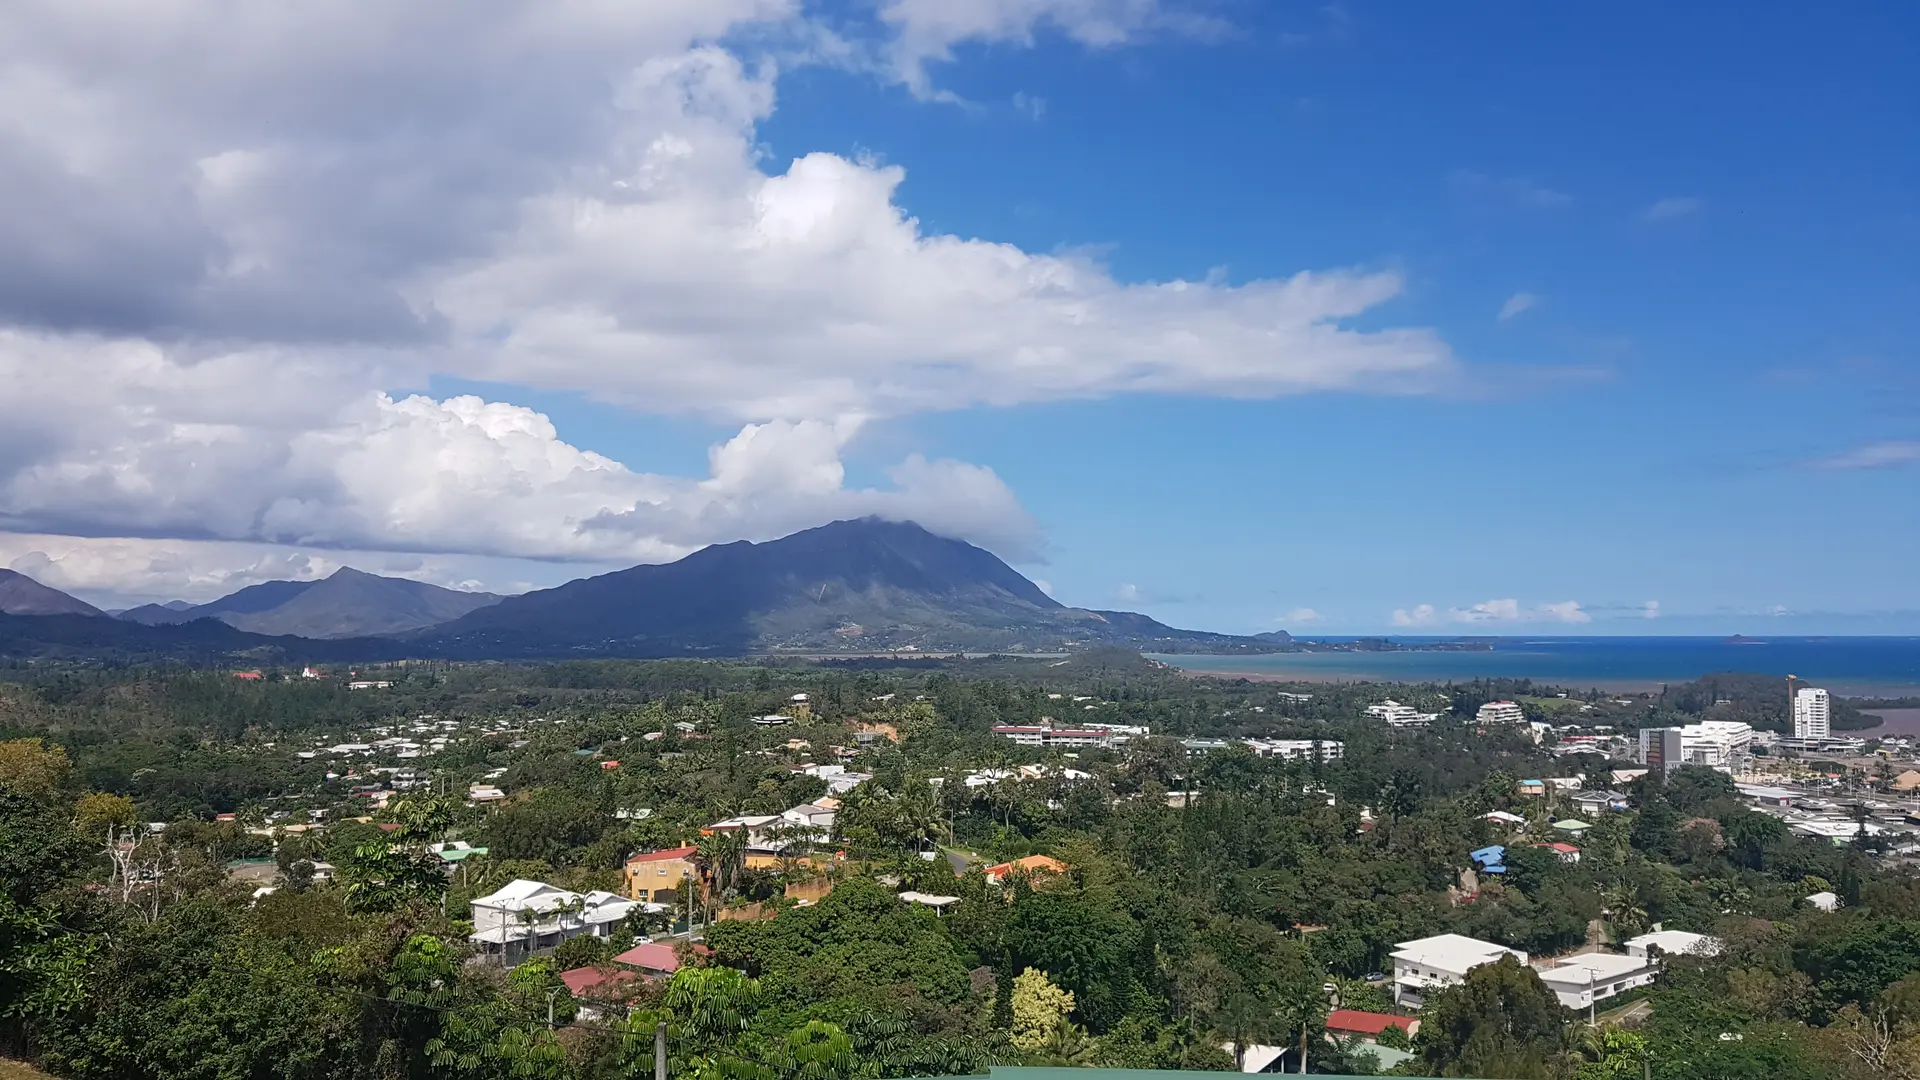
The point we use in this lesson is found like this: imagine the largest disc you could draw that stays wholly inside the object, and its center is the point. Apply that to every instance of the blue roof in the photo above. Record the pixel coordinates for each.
(1492, 853)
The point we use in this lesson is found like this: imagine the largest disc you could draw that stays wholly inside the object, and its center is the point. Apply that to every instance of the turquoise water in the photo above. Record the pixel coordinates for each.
(1857, 666)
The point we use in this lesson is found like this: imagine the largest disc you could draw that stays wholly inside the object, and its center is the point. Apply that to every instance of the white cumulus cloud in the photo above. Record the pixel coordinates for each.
(220, 295)
(1516, 304)
(1492, 612)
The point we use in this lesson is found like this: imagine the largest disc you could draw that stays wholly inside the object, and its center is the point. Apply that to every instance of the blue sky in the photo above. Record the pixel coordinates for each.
(1709, 222)
(1606, 307)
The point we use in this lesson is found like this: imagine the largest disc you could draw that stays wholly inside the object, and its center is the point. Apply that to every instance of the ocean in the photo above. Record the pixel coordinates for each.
(1849, 666)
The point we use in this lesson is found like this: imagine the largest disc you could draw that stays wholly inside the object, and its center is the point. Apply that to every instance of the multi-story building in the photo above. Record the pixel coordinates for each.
(658, 876)
(1500, 712)
(1812, 713)
(1660, 749)
(1285, 749)
(525, 917)
(1428, 964)
(1716, 743)
(1056, 737)
(1398, 715)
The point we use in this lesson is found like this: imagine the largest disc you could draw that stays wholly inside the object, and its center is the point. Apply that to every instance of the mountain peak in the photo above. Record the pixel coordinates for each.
(21, 595)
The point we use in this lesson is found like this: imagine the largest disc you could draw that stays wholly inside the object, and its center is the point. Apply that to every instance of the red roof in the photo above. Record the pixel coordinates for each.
(246, 675)
(1032, 863)
(657, 957)
(1564, 849)
(662, 856)
(581, 980)
(1367, 1023)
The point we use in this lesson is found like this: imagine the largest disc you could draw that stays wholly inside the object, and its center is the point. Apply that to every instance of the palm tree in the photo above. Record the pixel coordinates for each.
(724, 855)
(1244, 1019)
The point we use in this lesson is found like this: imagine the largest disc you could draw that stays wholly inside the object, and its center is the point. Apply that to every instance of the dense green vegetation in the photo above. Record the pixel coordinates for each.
(1181, 931)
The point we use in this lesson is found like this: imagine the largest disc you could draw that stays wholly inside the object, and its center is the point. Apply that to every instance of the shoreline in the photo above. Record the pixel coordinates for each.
(1621, 686)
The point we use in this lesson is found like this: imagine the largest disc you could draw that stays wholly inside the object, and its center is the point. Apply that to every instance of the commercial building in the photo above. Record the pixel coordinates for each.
(1428, 964)
(1285, 749)
(1398, 715)
(1660, 748)
(1716, 743)
(1812, 713)
(1500, 712)
(1051, 737)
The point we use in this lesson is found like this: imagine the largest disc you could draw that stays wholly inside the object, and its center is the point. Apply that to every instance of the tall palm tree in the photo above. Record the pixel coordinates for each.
(724, 855)
(1244, 1019)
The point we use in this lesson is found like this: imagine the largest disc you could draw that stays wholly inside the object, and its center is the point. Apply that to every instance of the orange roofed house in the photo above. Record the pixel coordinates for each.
(1032, 864)
(1367, 1026)
(657, 876)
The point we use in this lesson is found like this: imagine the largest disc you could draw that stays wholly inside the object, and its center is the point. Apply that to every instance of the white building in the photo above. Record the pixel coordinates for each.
(1674, 943)
(1056, 737)
(525, 917)
(1812, 713)
(1427, 964)
(1584, 980)
(1500, 712)
(1398, 715)
(1284, 749)
(1716, 743)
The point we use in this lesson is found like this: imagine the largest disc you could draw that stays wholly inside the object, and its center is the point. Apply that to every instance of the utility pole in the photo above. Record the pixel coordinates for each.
(660, 1051)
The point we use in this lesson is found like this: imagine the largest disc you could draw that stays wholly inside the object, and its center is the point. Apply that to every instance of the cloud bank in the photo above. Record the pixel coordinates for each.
(220, 294)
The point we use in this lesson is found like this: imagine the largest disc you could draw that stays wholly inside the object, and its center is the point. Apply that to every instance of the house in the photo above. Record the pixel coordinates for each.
(939, 904)
(525, 917)
(655, 959)
(1600, 801)
(1425, 964)
(1825, 901)
(481, 794)
(1532, 789)
(1907, 781)
(1567, 852)
(1674, 943)
(773, 720)
(1501, 817)
(1368, 1026)
(1026, 735)
(657, 876)
(1491, 858)
(813, 821)
(454, 851)
(594, 986)
(250, 676)
(1032, 864)
(1584, 980)
(1572, 826)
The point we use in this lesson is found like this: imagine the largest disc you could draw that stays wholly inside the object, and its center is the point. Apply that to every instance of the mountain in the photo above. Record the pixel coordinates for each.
(350, 603)
(21, 595)
(203, 641)
(852, 586)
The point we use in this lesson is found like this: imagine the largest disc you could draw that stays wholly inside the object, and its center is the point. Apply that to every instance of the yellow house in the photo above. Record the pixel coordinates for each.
(651, 874)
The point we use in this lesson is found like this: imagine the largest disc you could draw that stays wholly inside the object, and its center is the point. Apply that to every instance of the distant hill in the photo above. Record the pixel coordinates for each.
(21, 595)
(205, 641)
(350, 603)
(848, 587)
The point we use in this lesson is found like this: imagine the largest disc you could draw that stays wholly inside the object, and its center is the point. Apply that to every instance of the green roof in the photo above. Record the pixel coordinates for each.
(1572, 825)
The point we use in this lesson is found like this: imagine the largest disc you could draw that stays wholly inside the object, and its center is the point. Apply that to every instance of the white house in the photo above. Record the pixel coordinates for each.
(1426, 964)
(1027, 735)
(525, 917)
(1825, 901)
(1674, 943)
(1581, 981)
(815, 818)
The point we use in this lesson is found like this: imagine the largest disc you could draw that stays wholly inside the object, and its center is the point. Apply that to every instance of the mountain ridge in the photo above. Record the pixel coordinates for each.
(22, 595)
(347, 603)
(846, 586)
